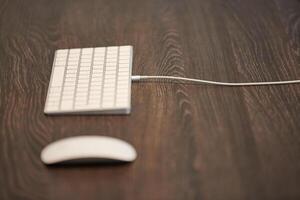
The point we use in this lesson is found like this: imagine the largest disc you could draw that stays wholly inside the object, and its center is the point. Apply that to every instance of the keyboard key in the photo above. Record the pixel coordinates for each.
(57, 77)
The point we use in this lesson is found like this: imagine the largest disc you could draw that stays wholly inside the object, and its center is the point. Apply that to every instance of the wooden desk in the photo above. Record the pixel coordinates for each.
(193, 141)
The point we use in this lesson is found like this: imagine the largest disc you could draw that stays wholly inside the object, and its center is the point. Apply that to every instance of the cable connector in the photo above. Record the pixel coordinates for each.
(136, 78)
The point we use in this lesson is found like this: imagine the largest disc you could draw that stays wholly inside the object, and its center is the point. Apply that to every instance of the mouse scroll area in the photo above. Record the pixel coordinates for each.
(88, 150)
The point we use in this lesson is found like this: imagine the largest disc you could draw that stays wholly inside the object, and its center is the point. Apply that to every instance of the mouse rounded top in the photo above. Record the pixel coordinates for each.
(87, 149)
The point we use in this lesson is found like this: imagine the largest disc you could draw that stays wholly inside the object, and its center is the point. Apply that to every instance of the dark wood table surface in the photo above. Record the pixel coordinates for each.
(193, 141)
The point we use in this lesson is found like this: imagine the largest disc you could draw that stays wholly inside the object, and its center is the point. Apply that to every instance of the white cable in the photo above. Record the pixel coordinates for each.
(138, 78)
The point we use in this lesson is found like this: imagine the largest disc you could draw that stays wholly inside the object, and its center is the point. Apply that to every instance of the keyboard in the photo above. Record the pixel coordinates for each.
(90, 81)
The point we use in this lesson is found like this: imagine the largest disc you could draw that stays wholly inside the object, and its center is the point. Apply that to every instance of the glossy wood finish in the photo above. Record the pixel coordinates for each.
(194, 141)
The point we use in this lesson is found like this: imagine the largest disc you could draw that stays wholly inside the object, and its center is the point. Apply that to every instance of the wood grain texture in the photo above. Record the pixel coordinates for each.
(193, 141)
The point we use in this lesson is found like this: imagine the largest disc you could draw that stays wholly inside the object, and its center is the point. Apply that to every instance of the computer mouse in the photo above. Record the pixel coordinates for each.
(88, 149)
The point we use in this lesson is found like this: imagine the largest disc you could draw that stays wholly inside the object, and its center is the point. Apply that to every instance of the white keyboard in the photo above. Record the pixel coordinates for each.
(90, 81)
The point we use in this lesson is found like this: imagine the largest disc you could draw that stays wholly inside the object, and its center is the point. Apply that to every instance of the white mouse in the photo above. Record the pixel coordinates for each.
(88, 149)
